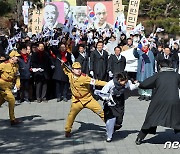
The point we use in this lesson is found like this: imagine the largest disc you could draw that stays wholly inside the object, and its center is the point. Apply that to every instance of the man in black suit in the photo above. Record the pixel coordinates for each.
(99, 62)
(83, 59)
(117, 62)
(166, 54)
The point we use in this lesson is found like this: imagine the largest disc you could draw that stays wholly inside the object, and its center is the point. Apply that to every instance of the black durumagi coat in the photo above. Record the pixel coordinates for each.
(164, 108)
(84, 61)
(99, 64)
(115, 65)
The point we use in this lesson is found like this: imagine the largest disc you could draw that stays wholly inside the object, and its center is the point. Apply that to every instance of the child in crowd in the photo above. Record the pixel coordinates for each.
(113, 96)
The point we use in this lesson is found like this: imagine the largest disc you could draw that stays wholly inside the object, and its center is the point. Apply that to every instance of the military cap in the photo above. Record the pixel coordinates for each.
(76, 65)
(14, 54)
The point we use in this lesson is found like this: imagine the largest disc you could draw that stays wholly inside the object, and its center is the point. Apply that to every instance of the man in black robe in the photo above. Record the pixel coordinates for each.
(83, 59)
(116, 63)
(99, 62)
(164, 109)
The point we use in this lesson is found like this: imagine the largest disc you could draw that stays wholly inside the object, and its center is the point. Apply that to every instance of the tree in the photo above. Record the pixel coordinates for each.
(5, 7)
(161, 13)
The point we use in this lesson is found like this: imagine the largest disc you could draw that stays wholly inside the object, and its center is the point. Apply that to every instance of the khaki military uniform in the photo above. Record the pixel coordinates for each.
(82, 97)
(8, 78)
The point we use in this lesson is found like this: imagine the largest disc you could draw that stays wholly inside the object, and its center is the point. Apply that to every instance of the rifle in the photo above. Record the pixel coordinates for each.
(68, 67)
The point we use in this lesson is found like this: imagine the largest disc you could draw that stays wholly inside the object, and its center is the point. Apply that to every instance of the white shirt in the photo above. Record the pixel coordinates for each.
(101, 53)
(107, 90)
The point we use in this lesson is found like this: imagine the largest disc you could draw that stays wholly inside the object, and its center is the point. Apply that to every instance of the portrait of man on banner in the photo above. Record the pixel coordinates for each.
(80, 15)
(104, 14)
(67, 8)
(53, 16)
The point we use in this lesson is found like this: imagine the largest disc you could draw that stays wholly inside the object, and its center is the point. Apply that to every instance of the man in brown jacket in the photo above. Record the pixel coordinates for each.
(81, 95)
(9, 76)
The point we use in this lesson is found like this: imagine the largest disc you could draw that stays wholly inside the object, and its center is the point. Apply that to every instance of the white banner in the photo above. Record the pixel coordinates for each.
(117, 8)
(131, 61)
(132, 14)
(25, 13)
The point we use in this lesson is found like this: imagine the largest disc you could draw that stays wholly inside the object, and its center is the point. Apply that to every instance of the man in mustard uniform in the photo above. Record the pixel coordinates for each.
(81, 95)
(9, 77)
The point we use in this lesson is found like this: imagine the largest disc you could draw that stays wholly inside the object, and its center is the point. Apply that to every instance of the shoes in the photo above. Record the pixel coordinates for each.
(141, 98)
(147, 98)
(108, 140)
(59, 99)
(117, 127)
(38, 100)
(27, 101)
(138, 141)
(67, 134)
(44, 100)
(65, 99)
(15, 122)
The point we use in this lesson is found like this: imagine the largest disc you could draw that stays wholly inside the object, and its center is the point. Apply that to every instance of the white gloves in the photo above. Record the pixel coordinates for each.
(92, 73)
(41, 70)
(110, 74)
(37, 69)
(52, 66)
(14, 90)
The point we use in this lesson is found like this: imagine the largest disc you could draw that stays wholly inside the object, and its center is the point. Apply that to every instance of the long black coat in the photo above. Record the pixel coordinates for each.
(115, 65)
(58, 70)
(84, 61)
(164, 109)
(99, 64)
(44, 62)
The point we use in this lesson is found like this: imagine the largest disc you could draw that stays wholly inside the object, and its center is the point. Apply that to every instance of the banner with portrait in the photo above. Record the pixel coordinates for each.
(103, 12)
(79, 15)
(70, 2)
(53, 16)
(67, 6)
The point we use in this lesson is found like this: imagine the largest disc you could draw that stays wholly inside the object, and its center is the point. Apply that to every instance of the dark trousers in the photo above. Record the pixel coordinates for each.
(24, 89)
(61, 89)
(41, 89)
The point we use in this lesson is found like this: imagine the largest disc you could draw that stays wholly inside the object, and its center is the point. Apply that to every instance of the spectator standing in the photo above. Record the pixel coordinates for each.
(25, 74)
(99, 62)
(61, 79)
(41, 66)
(145, 67)
(116, 62)
(83, 59)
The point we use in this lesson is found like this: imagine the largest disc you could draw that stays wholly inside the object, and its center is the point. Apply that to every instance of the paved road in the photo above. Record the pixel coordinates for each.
(42, 131)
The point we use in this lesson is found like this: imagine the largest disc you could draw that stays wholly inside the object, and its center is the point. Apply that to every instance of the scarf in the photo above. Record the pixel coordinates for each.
(40, 54)
(63, 56)
(145, 50)
(25, 57)
(118, 89)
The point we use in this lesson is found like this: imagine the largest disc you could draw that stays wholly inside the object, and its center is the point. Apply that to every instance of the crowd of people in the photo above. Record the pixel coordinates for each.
(33, 69)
